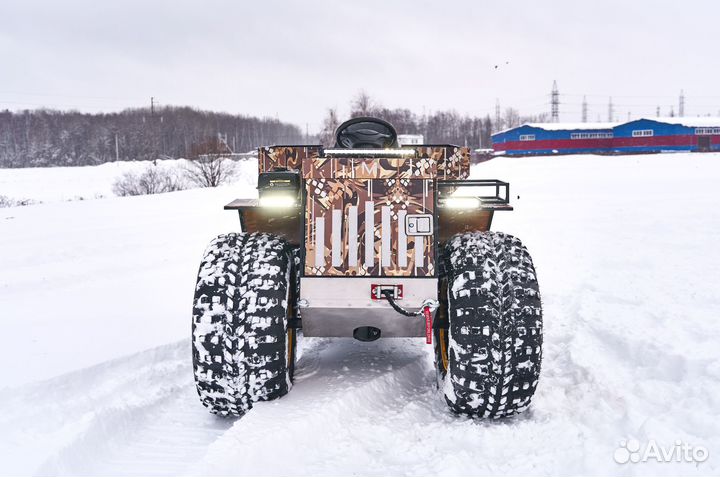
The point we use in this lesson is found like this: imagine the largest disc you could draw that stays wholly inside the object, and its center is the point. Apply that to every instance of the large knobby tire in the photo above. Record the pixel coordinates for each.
(488, 352)
(243, 349)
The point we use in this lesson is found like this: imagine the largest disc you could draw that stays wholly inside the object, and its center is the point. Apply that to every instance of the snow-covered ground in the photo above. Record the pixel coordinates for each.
(57, 184)
(95, 301)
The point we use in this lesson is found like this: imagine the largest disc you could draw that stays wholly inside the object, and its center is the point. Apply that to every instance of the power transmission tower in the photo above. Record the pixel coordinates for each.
(555, 103)
(611, 111)
(497, 114)
(681, 105)
(657, 112)
(584, 110)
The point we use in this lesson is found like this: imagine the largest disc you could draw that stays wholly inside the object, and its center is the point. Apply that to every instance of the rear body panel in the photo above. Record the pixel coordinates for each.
(356, 227)
(336, 306)
(356, 208)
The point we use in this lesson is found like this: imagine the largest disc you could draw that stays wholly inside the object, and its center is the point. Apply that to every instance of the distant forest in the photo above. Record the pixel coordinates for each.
(42, 137)
(439, 127)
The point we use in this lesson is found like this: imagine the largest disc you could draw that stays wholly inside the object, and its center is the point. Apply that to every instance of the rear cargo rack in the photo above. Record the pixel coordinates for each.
(480, 189)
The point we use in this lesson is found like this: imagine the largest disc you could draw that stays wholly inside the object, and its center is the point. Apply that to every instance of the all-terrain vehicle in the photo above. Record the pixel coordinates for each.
(368, 240)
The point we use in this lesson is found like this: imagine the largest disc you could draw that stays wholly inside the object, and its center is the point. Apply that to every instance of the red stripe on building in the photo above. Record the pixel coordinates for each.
(688, 140)
(550, 144)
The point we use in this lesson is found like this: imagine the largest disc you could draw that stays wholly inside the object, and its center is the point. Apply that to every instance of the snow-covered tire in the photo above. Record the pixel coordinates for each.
(243, 350)
(489, 356)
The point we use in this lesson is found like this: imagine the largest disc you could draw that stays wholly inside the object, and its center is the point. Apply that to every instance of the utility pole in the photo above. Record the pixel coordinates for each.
(117, 149)
(555, 103)
(152, 106)
(657, 112)
(611, 111)
(681, 105)
(584, 110)
(497, 114)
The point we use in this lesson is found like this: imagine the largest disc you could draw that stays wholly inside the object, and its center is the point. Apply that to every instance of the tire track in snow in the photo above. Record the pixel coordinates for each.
(374, 409)
(344, 390)
(133, 415)
(364, 408)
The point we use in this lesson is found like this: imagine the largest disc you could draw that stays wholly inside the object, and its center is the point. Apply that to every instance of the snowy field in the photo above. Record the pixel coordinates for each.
(95, 303)
(57, 184)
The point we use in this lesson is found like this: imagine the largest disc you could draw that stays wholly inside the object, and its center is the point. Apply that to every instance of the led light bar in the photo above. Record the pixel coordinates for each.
(369, 152)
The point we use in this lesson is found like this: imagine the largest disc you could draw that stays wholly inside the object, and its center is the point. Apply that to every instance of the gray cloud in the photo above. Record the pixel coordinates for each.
(294, 59)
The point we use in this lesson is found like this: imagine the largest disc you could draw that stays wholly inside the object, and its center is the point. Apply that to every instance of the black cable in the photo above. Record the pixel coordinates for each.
(388, 294)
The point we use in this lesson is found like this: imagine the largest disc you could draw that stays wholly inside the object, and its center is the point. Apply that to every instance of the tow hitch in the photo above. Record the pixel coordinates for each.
(426, 309)
(377, 292)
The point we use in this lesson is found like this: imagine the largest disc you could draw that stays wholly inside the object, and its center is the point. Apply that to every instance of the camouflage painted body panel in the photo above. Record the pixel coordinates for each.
(356, 227)
(455, 164)
(425, 162)
(356, 207)
(290, 157)
(369, 168)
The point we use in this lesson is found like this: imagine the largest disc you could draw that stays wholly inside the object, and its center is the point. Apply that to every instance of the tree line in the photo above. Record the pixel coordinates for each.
(439, 127)
(39, 138)
(43, 137)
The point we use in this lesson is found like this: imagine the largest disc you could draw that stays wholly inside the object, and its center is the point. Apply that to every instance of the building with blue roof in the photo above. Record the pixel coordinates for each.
(641, 135)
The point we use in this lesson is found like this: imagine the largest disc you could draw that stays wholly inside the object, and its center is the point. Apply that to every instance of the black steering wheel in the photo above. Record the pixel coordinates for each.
(365, 133)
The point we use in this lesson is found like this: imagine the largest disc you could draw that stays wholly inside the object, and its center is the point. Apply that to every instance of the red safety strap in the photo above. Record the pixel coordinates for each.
(428, 325)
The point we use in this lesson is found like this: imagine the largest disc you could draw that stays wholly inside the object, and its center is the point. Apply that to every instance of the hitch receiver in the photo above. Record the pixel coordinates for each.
(377, 292)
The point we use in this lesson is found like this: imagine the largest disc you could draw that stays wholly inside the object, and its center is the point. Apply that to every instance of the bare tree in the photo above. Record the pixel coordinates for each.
(512, 118)
(210, 170)
(330, 124)
(362, 105)
(210, 163)
(153, 180)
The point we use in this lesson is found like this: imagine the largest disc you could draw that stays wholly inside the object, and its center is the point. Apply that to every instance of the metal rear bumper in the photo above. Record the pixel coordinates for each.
(336, 306)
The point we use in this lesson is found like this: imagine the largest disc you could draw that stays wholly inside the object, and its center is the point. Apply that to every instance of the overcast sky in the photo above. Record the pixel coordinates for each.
(295, 59)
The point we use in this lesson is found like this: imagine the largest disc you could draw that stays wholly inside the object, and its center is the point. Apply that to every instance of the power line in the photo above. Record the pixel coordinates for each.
(681, 105)
(555, 103)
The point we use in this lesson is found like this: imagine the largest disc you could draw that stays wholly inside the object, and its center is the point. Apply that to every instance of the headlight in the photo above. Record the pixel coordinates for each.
(278, 201)
(461, 203)
(279, 189)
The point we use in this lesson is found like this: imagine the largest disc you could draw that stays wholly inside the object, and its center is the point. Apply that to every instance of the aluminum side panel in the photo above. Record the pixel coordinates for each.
(336, 306)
